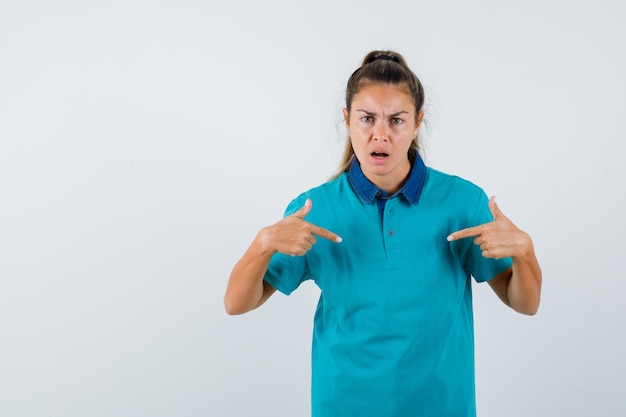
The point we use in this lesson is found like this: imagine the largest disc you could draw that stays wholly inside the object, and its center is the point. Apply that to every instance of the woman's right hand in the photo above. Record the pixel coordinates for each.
(246, 289)
(293, 235)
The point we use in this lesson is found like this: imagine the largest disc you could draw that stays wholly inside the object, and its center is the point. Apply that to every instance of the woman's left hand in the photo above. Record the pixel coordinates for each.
(499, 238)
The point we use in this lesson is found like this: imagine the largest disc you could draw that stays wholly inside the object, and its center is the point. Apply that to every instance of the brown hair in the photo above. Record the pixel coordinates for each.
(381, 67)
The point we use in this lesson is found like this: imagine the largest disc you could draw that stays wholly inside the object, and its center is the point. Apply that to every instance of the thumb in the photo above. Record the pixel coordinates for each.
(495, 210)
(304, 210)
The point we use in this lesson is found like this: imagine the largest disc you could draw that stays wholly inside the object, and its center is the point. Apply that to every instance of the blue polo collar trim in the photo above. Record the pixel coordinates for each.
(411, 190)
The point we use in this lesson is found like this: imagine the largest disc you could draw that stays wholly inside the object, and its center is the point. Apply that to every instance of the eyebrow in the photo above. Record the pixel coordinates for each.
(369, 113)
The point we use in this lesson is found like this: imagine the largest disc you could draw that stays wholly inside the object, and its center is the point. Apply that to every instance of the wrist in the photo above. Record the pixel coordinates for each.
(264, 241)
(526, 249)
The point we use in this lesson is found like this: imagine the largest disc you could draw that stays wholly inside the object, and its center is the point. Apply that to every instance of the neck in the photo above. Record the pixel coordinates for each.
(393, 181)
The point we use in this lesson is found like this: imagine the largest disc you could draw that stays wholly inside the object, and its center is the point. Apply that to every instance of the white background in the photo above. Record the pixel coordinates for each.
(144, 143)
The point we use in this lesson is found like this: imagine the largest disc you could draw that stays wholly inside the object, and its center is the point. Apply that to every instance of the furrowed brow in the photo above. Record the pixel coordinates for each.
(396, 114)
(399, 113)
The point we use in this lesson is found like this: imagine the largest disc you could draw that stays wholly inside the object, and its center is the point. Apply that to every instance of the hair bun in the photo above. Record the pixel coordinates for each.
(383, 57)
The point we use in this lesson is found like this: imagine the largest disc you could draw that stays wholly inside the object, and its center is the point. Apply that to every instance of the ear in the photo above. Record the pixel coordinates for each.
(420, 117)
(346, 117)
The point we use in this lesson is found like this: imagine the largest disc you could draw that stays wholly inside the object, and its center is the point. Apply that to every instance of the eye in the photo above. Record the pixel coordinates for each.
(397, 121)
(367, 119)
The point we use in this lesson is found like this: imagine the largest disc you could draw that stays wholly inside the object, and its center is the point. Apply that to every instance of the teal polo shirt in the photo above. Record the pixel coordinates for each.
(393, 330)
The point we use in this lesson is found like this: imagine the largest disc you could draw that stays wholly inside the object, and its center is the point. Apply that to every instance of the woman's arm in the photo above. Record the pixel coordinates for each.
(519, 286)
(246, 289)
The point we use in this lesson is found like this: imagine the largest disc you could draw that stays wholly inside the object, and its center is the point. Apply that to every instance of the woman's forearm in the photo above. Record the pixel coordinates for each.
(524, 289)
(246, 289)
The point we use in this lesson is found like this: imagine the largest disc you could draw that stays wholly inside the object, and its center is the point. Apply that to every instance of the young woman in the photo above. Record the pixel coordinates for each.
(393, 246)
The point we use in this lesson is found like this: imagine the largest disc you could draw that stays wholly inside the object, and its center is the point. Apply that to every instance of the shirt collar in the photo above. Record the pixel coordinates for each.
(411, 189)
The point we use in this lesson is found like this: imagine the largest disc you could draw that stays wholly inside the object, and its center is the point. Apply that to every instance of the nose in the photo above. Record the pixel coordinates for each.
(380, 132)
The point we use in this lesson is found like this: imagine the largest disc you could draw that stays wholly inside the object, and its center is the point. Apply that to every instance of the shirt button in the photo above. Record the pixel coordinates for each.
(391, 211)
(390, 232)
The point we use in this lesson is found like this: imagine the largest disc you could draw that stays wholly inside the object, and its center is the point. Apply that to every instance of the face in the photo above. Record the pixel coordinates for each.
(382, 125)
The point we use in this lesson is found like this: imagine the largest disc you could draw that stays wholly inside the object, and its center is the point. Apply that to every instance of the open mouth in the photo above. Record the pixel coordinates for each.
(379, 155)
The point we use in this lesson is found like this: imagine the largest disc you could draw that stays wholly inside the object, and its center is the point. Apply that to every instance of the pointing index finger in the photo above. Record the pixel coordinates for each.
(463, 233)
(327, 234)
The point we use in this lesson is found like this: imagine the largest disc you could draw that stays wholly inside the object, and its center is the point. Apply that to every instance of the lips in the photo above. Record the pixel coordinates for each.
(379, 155)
